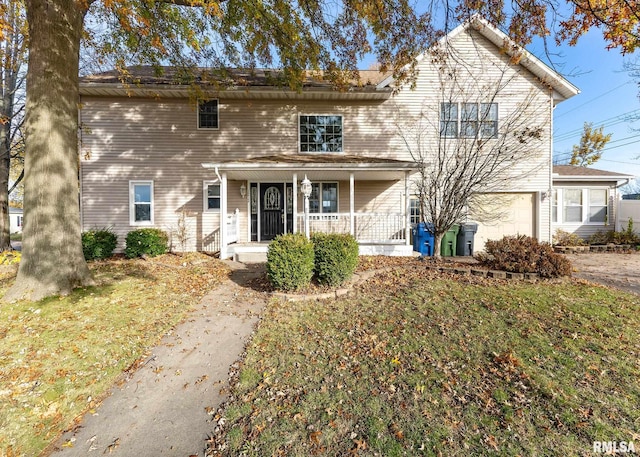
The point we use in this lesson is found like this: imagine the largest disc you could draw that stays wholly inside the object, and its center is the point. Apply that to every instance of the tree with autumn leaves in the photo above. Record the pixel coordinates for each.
(331, 36)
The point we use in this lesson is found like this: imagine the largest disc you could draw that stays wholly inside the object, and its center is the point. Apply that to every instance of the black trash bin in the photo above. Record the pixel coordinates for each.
(423, 239)
(465, 239)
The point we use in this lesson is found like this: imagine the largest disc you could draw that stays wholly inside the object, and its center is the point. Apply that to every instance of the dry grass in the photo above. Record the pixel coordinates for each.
(60, 355)
(418, 363)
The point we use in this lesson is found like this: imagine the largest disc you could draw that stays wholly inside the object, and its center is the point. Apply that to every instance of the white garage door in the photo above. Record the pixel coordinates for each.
(511, 214)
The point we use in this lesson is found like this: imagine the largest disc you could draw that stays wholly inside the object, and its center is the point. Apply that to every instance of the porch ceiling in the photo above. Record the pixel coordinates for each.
(316, 167)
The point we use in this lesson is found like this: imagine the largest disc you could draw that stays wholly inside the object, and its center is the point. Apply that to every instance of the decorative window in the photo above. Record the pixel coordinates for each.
(208, 114)
(141, 202)
(320, 133)
(597, 205)
(324, 197)
(414, 210)
(211, 196)
(469, 120)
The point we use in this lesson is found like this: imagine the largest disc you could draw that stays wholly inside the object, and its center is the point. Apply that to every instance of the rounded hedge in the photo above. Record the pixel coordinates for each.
(290, 262)
(98, 243)
(523, 254)
(147, 241)
(336, 257)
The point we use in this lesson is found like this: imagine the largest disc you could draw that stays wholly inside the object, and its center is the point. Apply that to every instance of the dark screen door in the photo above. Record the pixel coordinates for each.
(272, 209)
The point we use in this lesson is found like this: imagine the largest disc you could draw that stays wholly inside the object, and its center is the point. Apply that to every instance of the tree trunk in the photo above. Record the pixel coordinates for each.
(5, 151)
(52, 259)
(436, 246)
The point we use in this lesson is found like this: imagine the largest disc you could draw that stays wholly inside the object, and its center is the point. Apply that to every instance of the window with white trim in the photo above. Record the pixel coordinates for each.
(211, 196)
(320, 133)
(414, 209)
(580, 206)
(468, 120)
(141, 202)
(208, 114)
(598, 205)
(324, 197)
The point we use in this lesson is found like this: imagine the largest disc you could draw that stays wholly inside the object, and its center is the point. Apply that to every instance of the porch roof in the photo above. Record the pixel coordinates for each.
(315, 167)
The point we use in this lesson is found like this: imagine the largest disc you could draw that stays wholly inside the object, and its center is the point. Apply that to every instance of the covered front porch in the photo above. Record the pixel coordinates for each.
(261, 199)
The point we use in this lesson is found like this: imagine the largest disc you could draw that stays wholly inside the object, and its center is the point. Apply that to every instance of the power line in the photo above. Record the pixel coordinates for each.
(593, 99)
(629, 116)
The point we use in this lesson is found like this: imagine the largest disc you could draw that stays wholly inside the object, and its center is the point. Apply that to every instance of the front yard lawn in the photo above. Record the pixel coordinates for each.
(59, 356)
(417, 363)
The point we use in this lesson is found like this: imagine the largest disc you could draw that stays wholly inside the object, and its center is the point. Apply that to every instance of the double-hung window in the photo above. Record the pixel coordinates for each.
(324, 197)
(211, 196)
(414, 210)
(579, 206)
(468, 120)
(597, 205)
(208, 114)
(141, 202)
(320, 133)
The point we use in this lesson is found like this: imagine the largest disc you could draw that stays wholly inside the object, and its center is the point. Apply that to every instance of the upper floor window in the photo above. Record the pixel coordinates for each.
(141, 202)
(208, 114)
(211, 196)
(320, 133)
(468, 120)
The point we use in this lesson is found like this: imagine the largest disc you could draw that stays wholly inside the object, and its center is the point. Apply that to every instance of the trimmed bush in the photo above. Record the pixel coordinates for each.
(336, 257)
(147, 241)
(99, 243)
(523, 254)
(290, 262)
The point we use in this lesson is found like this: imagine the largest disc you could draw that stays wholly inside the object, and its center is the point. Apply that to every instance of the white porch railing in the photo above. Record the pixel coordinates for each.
(233, 226)
(368, 227)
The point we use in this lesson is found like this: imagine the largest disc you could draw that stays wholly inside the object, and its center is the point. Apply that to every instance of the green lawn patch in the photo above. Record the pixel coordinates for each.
(59, 356)
(416, 363)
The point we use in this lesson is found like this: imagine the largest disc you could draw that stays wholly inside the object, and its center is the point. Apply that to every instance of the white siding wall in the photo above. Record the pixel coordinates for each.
(156, 139)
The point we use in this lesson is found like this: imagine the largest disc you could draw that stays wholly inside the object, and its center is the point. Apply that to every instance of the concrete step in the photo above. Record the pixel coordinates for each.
(250, 257)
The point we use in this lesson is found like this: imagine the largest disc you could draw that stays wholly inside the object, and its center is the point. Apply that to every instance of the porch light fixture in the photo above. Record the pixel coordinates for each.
(243, 190)
(305, 188)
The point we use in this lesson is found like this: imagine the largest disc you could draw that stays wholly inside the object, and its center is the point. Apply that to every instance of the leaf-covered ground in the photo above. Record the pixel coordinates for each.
(60, 355)
(417, 363)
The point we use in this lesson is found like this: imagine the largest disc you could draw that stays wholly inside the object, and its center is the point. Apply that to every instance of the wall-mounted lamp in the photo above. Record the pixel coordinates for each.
(243, 190)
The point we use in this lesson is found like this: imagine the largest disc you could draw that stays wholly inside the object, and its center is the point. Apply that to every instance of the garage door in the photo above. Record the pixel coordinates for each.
(511, 214)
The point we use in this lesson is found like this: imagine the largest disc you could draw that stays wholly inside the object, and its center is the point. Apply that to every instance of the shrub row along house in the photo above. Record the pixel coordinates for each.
(221, 167)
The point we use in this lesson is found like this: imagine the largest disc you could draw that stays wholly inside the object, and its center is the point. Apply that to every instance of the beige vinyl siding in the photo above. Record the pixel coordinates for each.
(157, 139)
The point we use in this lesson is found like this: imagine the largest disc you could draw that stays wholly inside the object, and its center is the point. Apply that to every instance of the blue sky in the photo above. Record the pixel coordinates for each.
(609, 97)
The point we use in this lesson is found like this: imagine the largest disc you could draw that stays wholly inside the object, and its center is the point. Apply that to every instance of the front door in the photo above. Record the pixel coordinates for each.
(272, 210)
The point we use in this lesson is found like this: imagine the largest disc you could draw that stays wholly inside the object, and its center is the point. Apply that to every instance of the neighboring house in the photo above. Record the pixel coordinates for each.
(232, 166)
(585, 200)
(15, 220)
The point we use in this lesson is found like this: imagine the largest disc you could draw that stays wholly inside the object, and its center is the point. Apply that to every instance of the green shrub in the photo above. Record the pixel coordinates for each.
(336, 257)
(290, 262)
(601, 237)
(562, 238)
(146, 241)
(99, 243)
(523, 254)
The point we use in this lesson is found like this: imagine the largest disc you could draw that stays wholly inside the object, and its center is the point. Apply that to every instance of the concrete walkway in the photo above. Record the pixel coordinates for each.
(164, 408)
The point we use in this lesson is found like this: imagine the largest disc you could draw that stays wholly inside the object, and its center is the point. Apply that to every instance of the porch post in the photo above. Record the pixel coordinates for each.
(294, 209)
(223, 216)
(352, 205)
(407, 209)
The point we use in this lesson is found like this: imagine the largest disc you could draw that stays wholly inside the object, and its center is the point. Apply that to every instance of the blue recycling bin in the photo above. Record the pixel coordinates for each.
(423, 239)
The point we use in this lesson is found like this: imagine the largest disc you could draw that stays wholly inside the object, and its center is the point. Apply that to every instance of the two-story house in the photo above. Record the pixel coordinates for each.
(229, 166)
